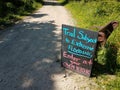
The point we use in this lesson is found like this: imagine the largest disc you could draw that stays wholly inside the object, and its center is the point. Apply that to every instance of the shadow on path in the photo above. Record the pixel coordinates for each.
(28, 54)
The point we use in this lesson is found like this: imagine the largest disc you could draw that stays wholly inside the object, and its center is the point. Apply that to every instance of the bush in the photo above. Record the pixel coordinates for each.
(11, 9)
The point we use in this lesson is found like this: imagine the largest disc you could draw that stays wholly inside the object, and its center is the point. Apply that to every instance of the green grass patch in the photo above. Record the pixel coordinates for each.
(93, 15)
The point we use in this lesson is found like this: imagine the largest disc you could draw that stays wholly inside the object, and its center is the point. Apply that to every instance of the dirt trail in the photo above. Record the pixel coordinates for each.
(29, 51)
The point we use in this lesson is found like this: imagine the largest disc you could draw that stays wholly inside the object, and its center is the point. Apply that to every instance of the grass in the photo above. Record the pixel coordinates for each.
(92, 15)
(10, 18)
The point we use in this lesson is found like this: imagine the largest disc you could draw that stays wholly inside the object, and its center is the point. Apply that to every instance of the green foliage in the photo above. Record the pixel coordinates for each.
(106, 57)
(93, 14)
(114, 85)
(11, 10)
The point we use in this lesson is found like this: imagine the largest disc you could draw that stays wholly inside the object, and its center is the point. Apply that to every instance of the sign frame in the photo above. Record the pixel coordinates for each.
(78, 48)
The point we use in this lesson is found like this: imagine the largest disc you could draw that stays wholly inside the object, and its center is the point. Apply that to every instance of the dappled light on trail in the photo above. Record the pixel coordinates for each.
(30, 52)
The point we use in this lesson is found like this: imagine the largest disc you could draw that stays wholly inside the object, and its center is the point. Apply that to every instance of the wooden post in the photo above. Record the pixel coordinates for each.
(105, 32)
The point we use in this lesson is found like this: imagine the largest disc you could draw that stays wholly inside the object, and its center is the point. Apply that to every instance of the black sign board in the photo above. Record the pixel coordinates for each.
(78, 49)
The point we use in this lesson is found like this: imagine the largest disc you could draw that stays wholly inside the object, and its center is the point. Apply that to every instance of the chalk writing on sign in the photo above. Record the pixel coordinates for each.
(78, 49)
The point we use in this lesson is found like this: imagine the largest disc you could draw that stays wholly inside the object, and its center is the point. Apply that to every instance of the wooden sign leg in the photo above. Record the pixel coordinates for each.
(105, 32)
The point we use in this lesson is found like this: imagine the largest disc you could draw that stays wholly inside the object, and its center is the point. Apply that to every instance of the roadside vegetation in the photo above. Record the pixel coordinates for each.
(14, 10)
(92, 14)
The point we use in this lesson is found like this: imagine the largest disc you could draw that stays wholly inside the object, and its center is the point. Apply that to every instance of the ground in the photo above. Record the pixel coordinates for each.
(30, 53)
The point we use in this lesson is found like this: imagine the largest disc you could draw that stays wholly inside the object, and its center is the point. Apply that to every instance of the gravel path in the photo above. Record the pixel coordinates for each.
(29, 52)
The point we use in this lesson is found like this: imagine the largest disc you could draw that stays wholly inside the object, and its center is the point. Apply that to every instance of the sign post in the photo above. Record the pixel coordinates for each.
(78, 49)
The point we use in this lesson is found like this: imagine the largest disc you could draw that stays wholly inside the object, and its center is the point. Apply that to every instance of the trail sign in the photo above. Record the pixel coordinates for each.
(78, 49)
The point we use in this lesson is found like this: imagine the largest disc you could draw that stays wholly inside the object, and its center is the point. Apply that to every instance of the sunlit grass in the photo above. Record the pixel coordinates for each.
(92, 15)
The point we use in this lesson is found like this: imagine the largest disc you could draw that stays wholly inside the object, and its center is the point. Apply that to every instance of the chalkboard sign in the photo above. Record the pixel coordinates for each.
(78, 49)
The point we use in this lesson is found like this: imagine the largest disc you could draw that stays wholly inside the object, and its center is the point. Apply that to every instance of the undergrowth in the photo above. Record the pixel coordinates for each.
(92, 15)
(12, 11)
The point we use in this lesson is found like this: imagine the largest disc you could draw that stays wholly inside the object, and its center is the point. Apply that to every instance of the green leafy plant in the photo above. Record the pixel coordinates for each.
(15, 9)
(91, 15)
